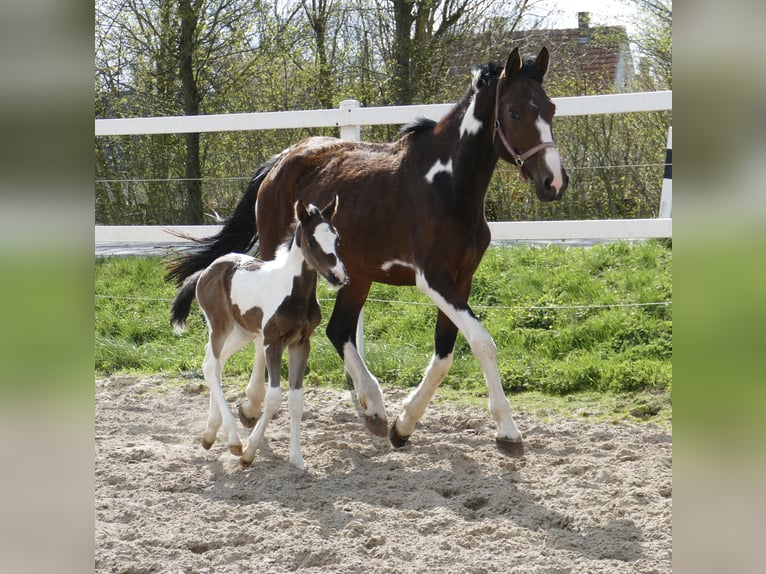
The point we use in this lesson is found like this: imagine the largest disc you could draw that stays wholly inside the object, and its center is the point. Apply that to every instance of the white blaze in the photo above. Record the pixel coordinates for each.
(550, 154)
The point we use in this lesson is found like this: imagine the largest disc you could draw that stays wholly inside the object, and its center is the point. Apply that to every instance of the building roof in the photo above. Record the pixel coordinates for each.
(596, 58)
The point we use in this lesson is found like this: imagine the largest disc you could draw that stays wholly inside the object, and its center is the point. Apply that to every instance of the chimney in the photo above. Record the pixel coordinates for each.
(583, 27)
(583, 22)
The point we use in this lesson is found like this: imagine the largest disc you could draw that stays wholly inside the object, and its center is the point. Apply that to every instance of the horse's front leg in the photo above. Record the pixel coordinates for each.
(250, 407)
(414, 406)
(271, 404)
(341, 330)
(298, 359)
(454, 305)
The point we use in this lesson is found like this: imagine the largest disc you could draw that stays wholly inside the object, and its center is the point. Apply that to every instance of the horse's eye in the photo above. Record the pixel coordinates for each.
(312, 242)
(514, 114)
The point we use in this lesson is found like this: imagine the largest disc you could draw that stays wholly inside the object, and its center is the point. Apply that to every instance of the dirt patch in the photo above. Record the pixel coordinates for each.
(585, 497)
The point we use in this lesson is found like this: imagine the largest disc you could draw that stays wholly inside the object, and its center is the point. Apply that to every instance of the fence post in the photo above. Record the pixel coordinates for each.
(352, 132)
(666, 199)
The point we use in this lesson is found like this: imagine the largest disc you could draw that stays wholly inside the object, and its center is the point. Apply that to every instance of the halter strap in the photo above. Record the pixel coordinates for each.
(518, 158)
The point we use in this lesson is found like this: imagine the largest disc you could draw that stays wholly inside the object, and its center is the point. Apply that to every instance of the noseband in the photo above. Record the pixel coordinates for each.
(518, 158)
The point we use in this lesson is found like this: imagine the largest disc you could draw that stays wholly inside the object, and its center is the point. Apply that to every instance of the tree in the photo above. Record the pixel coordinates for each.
(654, 42)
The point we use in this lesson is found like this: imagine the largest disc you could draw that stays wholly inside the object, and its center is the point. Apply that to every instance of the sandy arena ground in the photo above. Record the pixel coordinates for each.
(585, 497)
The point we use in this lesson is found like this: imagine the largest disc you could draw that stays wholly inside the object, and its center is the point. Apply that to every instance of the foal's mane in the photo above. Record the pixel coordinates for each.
(483, 75)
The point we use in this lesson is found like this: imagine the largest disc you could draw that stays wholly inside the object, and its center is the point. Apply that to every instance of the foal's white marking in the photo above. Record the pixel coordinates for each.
(439, 167)
(551, 154)
(388, 265)
(470, 125)
(485, 351)
(267, 288)
(325, 236)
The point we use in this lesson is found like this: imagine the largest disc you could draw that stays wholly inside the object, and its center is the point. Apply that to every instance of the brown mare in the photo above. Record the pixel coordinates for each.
(410, 212)
(272, 303)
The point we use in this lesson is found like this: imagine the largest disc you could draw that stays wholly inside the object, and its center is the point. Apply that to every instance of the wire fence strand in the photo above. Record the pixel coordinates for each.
(428, 304)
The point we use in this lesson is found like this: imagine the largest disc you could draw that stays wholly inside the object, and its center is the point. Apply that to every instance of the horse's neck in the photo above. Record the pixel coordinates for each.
(475, 158)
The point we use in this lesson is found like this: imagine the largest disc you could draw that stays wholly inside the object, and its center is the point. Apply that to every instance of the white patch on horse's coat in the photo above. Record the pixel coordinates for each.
(551, 154)
(470, 125)
(439, 167)
(388, 265)
(268, 287)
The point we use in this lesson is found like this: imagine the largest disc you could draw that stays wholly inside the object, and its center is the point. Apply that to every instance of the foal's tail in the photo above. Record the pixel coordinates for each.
(239, 234)
(182, 302)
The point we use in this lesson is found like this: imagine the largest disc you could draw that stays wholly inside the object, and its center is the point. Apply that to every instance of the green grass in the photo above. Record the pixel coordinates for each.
(554, 312)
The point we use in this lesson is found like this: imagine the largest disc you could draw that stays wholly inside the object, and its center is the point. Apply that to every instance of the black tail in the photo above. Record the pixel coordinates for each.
(238, 235)
(182, 302)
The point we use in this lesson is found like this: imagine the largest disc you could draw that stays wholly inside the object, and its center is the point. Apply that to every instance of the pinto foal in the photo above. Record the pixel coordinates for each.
(272, 303)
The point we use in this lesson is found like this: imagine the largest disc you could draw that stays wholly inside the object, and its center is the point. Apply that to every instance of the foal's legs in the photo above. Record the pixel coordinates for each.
(341, 330)
(219, 412)
(250, 407)
(298, 358)
(271, 404)
(453, 304)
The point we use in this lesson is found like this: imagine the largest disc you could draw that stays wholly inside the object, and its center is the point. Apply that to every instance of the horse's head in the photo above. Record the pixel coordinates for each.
(318, 240)
(522, 130)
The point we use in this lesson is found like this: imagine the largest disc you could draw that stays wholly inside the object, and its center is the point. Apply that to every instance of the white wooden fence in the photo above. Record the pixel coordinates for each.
(349, 117)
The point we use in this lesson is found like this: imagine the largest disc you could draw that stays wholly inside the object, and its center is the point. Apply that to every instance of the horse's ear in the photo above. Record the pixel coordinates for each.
(541, 62)
(512, 64)
(301, 213)
(330, 208)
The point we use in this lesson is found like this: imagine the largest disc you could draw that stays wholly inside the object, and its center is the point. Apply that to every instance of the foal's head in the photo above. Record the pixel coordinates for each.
(523, 125)
(318, 241)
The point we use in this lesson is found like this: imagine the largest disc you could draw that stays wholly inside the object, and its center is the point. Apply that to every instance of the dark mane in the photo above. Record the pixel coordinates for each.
(482, 76)
(418, 126)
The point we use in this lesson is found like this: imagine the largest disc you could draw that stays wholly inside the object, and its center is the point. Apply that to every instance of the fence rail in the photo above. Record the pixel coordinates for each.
(349, 117)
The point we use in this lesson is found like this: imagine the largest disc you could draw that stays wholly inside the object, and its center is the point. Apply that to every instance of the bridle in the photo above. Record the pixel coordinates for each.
(518, 158)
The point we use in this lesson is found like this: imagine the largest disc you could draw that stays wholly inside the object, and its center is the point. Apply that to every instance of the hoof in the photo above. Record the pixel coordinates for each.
(206, 444)
(245, 463)
(247, 422)
(376, 425)
(396, 439)
(514, 448)
(235, 449)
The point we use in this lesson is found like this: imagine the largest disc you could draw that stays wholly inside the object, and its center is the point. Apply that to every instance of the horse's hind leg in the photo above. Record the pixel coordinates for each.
(220, 414)
(341, 330)
(250, 407)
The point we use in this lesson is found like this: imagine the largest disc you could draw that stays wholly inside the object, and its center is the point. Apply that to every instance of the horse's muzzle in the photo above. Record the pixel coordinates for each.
(337, 277)
(547, 191)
